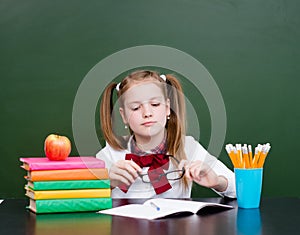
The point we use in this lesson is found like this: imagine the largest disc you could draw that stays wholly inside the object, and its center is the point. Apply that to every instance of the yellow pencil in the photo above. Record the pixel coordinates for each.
(232, 155)
(263, 156)
(256, 155)
(239, 155)
(242, 156)
(250, 155)
(246, 157)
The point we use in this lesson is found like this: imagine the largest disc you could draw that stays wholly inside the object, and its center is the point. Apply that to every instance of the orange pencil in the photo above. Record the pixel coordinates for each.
(242, 156)
(256, 155)
(238, 159)
(239, 155)
(246, 157)
(250, 155)
(232, 155)
(263, 156)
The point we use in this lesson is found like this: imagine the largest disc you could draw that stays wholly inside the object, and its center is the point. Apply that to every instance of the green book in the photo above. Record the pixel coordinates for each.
(69, 205)
(68, 184)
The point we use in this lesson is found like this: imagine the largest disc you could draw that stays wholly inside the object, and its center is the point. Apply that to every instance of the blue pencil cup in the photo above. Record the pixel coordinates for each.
(248, 187)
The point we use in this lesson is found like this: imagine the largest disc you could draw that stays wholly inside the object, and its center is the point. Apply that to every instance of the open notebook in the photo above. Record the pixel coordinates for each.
(160, 207)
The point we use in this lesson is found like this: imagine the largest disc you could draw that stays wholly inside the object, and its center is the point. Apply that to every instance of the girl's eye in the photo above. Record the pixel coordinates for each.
(135, 108)
(155, 104)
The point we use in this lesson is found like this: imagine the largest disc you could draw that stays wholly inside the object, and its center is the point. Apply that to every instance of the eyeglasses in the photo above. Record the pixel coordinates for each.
(170, 175)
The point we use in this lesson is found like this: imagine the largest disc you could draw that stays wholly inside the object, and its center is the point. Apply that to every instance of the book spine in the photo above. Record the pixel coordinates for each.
(59, 165)
(67, 194)
(76, 174)
(70, 205)
(69, 184)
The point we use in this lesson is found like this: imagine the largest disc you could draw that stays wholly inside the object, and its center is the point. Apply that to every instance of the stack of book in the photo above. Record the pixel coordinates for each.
(75, 185)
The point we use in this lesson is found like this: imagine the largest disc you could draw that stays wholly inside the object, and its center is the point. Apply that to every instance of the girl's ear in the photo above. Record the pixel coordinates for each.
(121, 110)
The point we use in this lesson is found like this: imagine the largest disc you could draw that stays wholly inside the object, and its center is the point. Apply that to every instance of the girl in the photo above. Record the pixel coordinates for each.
(156, 159)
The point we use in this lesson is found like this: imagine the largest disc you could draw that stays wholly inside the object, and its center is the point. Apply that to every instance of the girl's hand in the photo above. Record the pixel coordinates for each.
(202, 174)
(123, 171)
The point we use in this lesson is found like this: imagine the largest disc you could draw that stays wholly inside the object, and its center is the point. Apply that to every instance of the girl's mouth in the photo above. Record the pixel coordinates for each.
(148, 123)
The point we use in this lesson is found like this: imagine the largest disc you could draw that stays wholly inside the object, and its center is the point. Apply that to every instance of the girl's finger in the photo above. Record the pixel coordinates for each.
(132, 166)
(188, 174)
(123, 176)
(118, 178)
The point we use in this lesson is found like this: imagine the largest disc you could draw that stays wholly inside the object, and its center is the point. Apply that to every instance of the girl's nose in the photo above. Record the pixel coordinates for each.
(147, 111)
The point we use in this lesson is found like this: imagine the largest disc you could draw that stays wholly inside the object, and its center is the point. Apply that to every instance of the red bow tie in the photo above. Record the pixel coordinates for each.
(156, 163)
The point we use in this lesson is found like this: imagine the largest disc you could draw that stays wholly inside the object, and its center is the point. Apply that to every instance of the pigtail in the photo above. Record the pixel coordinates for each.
(176, 125)
(106, 121)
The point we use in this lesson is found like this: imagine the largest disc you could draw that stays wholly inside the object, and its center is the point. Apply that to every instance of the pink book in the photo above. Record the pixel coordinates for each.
(43, 163)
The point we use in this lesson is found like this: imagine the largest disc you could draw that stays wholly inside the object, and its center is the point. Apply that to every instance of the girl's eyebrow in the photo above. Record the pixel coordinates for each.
(152, 98)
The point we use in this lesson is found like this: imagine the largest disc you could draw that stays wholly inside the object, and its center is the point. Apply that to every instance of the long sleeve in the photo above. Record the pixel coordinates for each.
(195, 151)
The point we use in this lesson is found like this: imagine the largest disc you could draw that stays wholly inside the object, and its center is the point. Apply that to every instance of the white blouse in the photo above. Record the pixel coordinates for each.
(194, 151)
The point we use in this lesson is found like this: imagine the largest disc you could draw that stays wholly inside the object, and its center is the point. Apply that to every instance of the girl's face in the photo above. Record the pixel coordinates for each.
(145, 110)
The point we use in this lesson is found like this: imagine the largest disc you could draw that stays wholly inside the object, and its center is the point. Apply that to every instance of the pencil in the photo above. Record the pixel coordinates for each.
(232, 155)
(246, 157)
(155, 206)
(239, 155)
(242, 156)
(250, 155)
(263, 156)
(256, 155)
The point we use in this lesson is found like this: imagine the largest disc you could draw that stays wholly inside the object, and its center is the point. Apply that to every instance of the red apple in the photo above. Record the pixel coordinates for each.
(57, 148)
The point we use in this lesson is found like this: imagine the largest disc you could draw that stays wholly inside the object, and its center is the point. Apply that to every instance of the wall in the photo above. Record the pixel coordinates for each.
(251, 49)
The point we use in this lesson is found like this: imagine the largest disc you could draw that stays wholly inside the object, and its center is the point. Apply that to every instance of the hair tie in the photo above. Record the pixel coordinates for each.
(163, 77)
(118, 86)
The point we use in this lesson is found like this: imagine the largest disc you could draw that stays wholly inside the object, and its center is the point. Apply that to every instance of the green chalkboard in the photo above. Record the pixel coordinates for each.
(250, 48)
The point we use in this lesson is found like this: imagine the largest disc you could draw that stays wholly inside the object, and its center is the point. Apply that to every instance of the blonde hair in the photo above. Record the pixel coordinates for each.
(175, 126)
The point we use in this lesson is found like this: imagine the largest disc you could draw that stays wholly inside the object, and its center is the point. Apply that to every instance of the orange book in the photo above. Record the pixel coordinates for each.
(74, 174)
